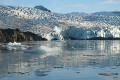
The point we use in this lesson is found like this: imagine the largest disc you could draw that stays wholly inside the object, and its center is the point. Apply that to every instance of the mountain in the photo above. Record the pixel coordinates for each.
(77, 13)
(105, 13)
(42, 8)
(59, 26)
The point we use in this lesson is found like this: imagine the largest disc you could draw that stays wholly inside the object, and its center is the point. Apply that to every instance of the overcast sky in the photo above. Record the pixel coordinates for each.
(66, 6)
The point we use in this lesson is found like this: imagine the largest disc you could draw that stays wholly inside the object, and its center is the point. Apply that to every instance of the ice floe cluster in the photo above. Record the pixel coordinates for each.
(15, 46)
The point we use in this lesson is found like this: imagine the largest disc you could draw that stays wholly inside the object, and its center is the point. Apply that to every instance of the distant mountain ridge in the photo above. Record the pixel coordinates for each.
(108, 13)
(77, 13)
(104, 13)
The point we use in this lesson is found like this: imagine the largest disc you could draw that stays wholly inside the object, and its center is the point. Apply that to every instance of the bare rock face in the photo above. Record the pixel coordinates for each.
(42, 8)
(11, 35)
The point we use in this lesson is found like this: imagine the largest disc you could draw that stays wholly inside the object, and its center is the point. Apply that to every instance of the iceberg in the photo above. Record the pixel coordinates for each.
(48, 49)
(15, 46)
(42, 49)
(37, 50)
(45, 51)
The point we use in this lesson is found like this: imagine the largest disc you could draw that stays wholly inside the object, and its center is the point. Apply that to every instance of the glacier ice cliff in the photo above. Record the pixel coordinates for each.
(88, 33)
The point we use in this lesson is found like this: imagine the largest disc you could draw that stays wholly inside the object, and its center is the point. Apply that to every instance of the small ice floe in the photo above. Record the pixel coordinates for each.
(42, 49)
(47, 51)
(36, 50)
(42, 72)
(49, 54)
(108, 74)
(14, 46)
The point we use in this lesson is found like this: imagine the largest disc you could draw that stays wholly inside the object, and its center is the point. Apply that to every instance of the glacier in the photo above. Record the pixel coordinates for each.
(87, 33)
(56, 26)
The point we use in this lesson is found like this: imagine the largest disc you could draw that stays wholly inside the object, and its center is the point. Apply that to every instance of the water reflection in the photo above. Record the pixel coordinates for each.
(73, 54)
(100, 46)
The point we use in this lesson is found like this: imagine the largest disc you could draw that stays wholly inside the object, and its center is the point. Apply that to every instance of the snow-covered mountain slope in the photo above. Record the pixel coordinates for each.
(104, 13)
(59, 26)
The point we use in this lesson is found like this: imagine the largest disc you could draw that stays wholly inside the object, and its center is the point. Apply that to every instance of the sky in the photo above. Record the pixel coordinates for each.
(67, 6)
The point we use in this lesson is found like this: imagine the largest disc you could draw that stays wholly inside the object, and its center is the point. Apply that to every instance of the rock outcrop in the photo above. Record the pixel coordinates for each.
(11, 35)
(42, 8)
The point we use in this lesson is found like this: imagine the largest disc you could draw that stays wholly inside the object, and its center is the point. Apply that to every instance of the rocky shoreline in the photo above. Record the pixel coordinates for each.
(16, 35)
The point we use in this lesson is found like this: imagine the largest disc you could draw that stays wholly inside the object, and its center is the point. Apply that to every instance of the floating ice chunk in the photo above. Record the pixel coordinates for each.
(37, 50)
(48, 49)
(15, 46)
(49, 54)
(43, 49)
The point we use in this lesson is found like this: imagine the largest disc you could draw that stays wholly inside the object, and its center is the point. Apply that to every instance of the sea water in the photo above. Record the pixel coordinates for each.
(62, 60)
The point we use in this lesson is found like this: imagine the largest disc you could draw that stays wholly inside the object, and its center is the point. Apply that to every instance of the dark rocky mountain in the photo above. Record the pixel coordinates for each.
(11, 35)
(42, 8)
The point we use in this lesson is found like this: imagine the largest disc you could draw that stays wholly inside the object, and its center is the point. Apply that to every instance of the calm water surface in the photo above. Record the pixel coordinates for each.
(62, 60)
